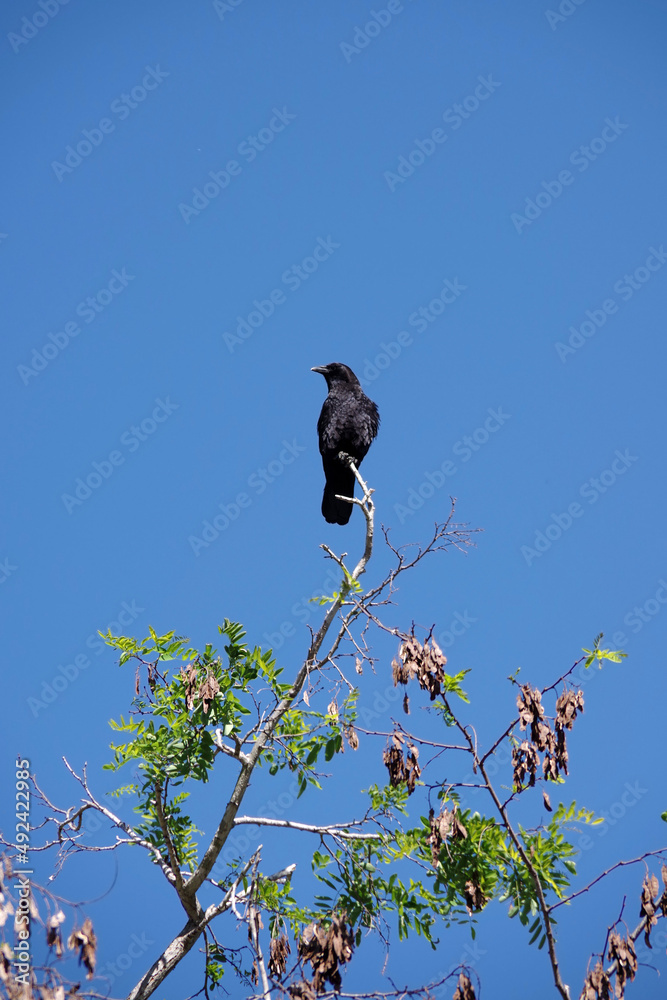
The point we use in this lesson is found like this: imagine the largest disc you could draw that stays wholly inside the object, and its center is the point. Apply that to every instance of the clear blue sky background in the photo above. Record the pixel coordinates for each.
(168, 331)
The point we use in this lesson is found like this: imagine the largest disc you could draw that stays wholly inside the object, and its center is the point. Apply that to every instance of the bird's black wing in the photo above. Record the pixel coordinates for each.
(367, 421)
(348, 422)
(331, 425)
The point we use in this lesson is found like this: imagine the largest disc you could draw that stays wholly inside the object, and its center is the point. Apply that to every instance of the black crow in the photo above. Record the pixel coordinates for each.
(348, 422)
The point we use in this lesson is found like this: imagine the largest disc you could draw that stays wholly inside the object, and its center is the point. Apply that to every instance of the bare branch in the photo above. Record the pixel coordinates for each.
(185, 940)
(254, 921)
(337, 830)
(414, 739)
(662, 852)
(265, 730)
(268, 729)
(91, 803)
(544, 909)
(192, 910)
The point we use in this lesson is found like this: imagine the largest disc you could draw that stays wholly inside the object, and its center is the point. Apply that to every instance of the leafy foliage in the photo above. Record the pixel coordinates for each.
(460, 859)
(597, 654)
(401, 863)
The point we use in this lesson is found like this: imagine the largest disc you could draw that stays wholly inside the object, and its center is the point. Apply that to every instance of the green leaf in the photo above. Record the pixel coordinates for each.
(537, 934)
(613, 655)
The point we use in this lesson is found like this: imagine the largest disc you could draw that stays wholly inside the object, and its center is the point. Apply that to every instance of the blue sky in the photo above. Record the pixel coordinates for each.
(465, 203)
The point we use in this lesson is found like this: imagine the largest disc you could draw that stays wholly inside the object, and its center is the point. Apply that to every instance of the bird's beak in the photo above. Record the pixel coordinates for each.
(320, 369)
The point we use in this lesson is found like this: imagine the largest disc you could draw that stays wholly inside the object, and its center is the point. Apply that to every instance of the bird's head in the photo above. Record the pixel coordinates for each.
(336, 372)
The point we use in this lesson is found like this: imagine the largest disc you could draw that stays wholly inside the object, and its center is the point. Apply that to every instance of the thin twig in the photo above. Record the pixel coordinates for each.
(619, 864)
(335, 830)
(413, 739)
(544, 909)
(253, 925)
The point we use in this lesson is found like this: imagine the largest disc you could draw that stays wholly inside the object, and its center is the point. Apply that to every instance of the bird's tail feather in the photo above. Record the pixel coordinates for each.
(338, 511)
